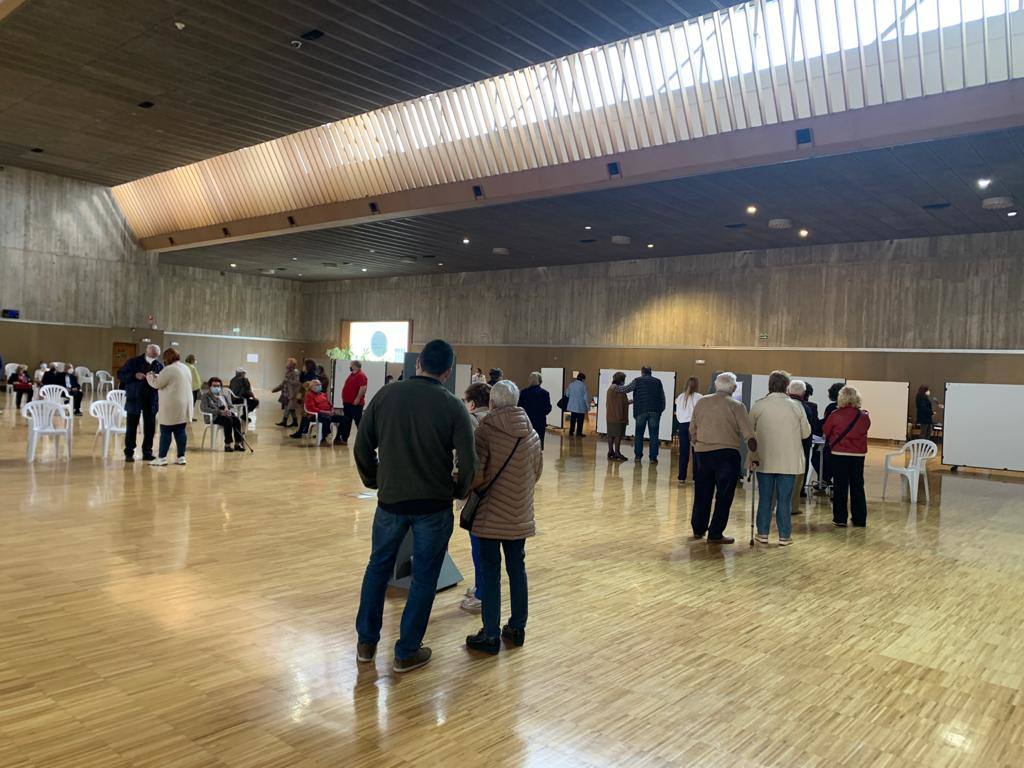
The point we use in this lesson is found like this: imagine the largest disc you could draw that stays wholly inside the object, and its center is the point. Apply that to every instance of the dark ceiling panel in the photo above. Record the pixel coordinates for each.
(875, 195)
(72, 72)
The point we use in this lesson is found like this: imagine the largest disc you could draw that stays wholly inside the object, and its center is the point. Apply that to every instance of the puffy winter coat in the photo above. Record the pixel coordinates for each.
(506, 512)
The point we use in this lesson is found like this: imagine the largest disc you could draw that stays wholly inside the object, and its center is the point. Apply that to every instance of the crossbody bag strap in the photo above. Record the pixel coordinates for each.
(849, 428)
(494, 479)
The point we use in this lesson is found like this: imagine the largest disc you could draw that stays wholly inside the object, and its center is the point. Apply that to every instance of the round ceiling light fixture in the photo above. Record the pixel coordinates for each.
(751, 210)
(650, 245)
(1000, 203)
(780, 223)
(465, 241)
(364, 269)
(588, 227)
(233, 265)
(803, 233)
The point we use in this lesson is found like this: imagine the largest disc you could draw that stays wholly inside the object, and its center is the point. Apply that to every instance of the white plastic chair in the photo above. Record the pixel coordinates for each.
(314, 421)
(103, 381)
(42, 416)
(214, 430)
(111, 418)
(118, 396)
(85, 379)
(58, 394)
(8, 370)
(917, 453)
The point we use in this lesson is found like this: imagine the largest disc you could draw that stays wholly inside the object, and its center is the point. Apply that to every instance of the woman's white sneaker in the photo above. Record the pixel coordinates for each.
(180, 460)
(158, 463)
(761, 539)
(785, 542)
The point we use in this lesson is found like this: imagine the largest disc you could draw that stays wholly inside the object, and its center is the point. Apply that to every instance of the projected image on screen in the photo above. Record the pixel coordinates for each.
(385, 340)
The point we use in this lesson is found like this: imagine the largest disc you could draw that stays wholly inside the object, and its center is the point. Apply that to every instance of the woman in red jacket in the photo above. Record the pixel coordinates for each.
(318, 405)
(846, 434)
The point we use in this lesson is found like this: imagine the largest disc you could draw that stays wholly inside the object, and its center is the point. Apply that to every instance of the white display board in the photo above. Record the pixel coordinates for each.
(887, 402)
(463, 378)
(553, 380)
(375, 371)
(820, 384)
(977, 429)
(668, 380)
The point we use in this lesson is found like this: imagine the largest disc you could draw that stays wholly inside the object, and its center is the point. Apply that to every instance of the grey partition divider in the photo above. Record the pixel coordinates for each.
(745, 383)
(554, 383)
(981, 426)
(402, 575)
(410, 370)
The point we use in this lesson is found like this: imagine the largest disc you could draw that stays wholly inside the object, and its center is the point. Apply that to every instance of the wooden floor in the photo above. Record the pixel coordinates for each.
(203, 616)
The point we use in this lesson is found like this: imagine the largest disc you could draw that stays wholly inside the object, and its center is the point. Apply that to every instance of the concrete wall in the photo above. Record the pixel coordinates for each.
(937, 293)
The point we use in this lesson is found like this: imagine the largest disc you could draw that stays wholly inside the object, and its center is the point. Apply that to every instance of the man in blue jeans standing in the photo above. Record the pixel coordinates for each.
(404, 449)
(648, 405)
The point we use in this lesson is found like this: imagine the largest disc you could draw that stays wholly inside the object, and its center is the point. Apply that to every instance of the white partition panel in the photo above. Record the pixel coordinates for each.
(554, 383)
(887, 402)
(463, 378)
(820, 384)
(375, 371)
(668, 380)
(981, 426)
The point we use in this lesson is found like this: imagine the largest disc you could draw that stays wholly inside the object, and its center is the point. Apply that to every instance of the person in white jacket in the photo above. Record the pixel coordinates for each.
(780, 425)
(174, 385)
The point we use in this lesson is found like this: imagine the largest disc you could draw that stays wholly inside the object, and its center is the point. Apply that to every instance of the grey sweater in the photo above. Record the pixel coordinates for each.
(404, 447)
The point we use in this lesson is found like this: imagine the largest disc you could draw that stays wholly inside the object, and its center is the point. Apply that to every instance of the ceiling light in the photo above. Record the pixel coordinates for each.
(1000, 203)
(588, 227)
(440, 263)
(751, 209)
(1011, 214)
(780, 223)
(984, 183)
(295, 258)
(650, 245)
(233, 265)
(465, 241)
(300, 274)
(803, 233)
(372, 250)
(179, 25)
(364, 269)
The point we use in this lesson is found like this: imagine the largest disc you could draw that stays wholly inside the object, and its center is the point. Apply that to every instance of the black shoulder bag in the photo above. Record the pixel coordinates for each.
(468, 514)
(849, 428)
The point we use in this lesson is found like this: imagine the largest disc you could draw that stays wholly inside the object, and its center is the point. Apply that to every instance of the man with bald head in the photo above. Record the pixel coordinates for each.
(140, 401)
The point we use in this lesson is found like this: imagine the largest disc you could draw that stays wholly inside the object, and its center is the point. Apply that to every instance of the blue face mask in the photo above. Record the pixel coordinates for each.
(316, 389)
(215, 390)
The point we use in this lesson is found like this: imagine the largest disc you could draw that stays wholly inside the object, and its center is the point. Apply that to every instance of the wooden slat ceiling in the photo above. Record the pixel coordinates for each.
(73, 72)
(876, 195)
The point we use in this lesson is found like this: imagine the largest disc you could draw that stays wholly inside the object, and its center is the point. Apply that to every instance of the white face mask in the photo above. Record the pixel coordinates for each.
(150, 359)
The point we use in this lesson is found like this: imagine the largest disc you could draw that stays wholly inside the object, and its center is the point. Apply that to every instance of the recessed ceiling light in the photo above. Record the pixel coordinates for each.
(751, 209)
(372, 250)
(179, 25)
(465, 241)
(588, 227)
(1011, 214)
(364, 269)
(440, 263)
(300, 274)
(984, 183)
(650, 245)
(233, 264)
(295, 258)
(803, 233)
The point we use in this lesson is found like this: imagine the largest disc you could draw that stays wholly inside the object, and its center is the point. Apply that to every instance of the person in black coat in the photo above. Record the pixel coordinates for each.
(925, 411)
(140, 401)
(537, 404)
(833, 396)
(52, 376)
(69, 381)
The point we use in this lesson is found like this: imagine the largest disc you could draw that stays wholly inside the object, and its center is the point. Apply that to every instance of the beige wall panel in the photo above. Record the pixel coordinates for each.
(220, 357)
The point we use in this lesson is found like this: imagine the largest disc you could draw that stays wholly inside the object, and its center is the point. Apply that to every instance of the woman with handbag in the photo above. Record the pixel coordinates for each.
(846, 435)
(499, 513)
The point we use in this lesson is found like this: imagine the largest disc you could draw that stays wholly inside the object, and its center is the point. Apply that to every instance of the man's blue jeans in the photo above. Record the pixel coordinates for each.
(651, 421)
(430, 535)
(782, 487)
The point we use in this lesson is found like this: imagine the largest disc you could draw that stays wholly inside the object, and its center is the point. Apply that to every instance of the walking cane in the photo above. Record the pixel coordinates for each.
(752, 479)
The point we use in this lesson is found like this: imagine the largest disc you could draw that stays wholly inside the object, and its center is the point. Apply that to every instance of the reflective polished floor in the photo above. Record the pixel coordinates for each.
(203, 616)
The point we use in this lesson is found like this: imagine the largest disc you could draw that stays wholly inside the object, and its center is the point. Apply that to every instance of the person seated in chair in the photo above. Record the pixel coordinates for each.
(20, 382)
(215, 402)
(69, 381)
(52, 376)
(241, 390)
(318, 404)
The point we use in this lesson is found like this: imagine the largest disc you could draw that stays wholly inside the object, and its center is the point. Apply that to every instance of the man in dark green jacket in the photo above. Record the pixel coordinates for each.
(404, 449)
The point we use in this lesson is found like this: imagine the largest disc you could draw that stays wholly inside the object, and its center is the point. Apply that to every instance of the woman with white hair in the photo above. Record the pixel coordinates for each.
(510, 466)
(536, 401)
(846, 434)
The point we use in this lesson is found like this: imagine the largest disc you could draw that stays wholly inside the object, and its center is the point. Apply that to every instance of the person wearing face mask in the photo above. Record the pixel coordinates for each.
(69, 381)
(353, 398)
(215, 403)
(140, 401)
(318, 404)
(925, 411)
(289, 389)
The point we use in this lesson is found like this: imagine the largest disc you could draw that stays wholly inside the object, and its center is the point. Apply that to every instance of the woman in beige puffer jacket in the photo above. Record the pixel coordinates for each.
(504, 519)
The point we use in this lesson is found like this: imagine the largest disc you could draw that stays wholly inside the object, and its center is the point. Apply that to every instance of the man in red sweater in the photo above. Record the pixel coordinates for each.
(353, 398)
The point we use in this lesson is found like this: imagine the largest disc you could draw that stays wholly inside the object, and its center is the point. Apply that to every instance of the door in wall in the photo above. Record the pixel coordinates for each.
(121, 352)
